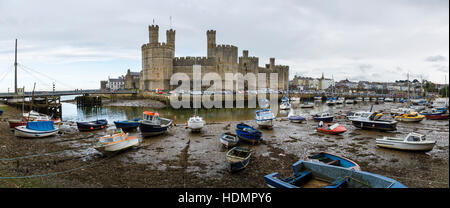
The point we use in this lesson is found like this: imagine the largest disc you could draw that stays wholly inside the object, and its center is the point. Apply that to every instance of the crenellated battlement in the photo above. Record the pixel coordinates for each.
(223, 46)
(190, 61)
(157, 45)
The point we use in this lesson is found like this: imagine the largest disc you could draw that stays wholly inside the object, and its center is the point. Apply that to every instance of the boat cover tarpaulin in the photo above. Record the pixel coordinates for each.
(41, 125)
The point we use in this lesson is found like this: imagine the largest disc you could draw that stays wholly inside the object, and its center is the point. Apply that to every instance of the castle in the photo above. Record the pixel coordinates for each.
(159, 62)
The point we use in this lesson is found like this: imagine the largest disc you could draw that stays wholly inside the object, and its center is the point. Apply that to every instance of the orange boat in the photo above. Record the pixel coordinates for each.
(331, 129)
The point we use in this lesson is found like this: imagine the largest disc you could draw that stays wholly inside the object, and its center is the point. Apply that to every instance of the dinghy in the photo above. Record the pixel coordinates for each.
(325, 117)
(319, 175)
(295, 118)
(92, 125)
(332, 159)
(410, 117)
(229, 139)
(238, 158)
(195, 123)
(413, 141)
(248, 133)
(264, 118)
(116, 141)
(127, 124)
(151, 124)
(435, 114)
(36, 129)
(330, 129)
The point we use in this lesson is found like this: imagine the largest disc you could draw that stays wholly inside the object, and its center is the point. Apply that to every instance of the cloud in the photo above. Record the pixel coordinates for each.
(437, 58)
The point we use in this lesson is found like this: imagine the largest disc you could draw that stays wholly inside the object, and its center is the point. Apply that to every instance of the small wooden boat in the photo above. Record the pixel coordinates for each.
(151, 124)
(248, 133)
(92, 125)
(127, 124)
(229, 139)
(295, 118)
(325, 117)
(331, 159)
(410, 117)
(370, 120)
(264, 118)
(435, 114)
(13, 123)
(195, 123)
(36, 129)
(116, 141)
(238, 158)
(331, 129)
(413, 142)
(318, 175)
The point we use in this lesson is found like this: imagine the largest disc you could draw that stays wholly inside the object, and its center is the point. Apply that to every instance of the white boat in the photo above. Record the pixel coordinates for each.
(388, 99)
(116, 141)
(418, 108)
(36, 129)
(307, 105)
(331, 101)
(264, 118)
(340, 100)
(195, 123)
(36, 116)
(366, 99)
(353, 115)
(285, 106)
(399, 111)
(349, 101)
(295, 100)
(413, 141)
(318, 97)
(359, 99)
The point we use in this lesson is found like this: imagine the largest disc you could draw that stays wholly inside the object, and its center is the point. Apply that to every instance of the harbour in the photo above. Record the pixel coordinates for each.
(180, 158)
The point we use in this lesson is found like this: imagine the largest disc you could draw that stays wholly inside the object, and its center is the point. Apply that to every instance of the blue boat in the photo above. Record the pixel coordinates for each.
(92, 125)
(127, 124)
(284, 99)
(248, 133)
(332, 159)
(1, 112)
(319, 175)
(151, 124)
(325, 117)
(238, 158)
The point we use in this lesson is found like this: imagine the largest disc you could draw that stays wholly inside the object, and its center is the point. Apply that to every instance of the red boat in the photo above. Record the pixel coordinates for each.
(331, 129)
(13, 123)
(437, 117)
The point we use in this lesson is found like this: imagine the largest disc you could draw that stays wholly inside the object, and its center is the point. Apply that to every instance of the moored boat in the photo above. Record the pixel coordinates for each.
(248, 133)
(410, 117)
(151, 124)
(264, 118)
(318, 97)
(435, 114)
(116, 141)
(371, 120)
(195, 123)
(413, 141)
(340, 100)
(352, 115)
(331, 101)
(229, 140)
(13, 123)
(349, 101)
(238, 158)
(388, 99)
(295, 118)
(331, 159)
(92, 125)
(318, 175)
(325, 117)
(285, 106)
(307, 105)
(330, 129)
(127, 124)
(36, 129)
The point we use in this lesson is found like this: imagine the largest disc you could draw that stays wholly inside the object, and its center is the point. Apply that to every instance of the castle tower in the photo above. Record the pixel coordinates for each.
(272, 63)
(170, 38)
(157, 60)
(211, 43)
(153, 31)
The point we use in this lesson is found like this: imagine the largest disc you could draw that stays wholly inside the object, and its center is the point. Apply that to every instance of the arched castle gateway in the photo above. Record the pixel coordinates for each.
(159, 62)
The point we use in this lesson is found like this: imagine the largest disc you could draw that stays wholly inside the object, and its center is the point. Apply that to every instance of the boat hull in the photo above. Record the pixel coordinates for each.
(227, 141)
(335, 131)
(127, 125)
(153, 130)
(265, 123)
(22, 131)
(332, 159)
(92, 126)
(236, 163)
(392, 126)
(120, 145)
(410, 146)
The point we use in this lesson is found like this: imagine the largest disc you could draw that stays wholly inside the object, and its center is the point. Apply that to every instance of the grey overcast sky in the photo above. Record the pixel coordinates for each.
(82, 42)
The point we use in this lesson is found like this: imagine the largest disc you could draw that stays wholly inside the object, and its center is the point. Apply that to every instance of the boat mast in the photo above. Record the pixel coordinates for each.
(15, 69)
(31, 102)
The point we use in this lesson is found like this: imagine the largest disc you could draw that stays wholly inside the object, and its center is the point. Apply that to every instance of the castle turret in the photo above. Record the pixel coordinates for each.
(170, 38)
(272, 63)
(211, 40)
(245, 53)
(153, 31)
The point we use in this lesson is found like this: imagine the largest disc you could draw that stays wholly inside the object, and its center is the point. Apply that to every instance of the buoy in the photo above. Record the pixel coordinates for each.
(92, 127)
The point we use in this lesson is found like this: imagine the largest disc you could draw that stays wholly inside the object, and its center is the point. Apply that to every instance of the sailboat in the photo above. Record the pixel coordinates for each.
(195, 123)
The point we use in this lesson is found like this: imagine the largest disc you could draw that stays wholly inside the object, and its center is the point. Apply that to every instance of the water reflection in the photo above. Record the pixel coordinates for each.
(71, 112)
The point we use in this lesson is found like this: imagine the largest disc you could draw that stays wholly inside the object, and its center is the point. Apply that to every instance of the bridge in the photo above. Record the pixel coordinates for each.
(63, 93)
